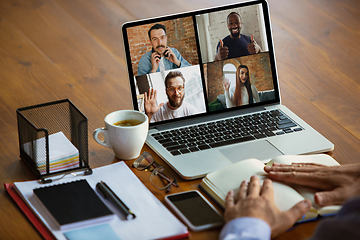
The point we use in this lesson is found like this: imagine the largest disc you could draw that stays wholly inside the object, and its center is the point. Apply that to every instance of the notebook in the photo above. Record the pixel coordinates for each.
(126, 186)
(73, 204)
(207, 80)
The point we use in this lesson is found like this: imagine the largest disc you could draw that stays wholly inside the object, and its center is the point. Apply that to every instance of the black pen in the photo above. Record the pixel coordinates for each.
(109, 194)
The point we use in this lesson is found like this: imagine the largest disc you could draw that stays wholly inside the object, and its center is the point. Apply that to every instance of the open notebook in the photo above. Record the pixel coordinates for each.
(219, 183)
(211, 109)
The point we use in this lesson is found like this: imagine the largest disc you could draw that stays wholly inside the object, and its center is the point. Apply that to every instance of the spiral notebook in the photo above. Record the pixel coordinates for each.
(73, 204)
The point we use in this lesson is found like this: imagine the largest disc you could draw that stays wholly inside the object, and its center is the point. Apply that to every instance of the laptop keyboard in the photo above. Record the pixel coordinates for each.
(225, 132)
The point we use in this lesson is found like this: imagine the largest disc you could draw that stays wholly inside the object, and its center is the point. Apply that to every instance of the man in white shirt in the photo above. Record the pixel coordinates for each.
(175, 107)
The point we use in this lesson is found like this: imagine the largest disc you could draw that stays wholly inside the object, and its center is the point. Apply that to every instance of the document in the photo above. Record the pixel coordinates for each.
(153, 220)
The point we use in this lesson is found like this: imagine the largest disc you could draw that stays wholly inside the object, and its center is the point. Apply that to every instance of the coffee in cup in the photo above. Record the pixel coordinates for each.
(125, 132)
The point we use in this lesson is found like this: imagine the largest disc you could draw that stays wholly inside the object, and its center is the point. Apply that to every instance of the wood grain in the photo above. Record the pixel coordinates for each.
(56, 49)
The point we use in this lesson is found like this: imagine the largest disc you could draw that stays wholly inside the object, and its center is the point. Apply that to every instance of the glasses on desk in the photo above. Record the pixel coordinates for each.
(160, 177)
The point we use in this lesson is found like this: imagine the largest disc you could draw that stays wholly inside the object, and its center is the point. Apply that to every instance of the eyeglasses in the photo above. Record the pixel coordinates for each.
(172, 89)
(160, 177)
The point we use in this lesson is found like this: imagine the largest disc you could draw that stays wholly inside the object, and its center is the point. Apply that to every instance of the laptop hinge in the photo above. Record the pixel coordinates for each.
(209, 118)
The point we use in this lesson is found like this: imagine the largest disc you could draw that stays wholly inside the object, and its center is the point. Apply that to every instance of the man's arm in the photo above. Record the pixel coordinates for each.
(246, 228)
(337, 182)
(254, 200)
(253, 47)
(222, 51)
(145, 64)
(177, 59)
(150, 104)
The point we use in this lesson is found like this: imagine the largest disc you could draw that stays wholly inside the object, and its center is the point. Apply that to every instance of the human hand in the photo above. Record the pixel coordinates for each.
(257, 201)
(150, 104)
(222, 52)
(169, 54)
(155, 59)
(252, 46)
(338, 183)
(226, 84)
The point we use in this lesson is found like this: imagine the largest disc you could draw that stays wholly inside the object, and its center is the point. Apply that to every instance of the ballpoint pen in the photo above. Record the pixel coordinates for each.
(109, 194)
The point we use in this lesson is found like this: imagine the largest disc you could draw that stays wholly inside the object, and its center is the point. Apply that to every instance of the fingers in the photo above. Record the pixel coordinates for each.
(221, 43)
(267, 189)
(252, 38)
(154, 94)
(151, 95)
(294, 167)
(229, 200)
(297, 211)
(243, 190)
(327, 198)
(254, 187)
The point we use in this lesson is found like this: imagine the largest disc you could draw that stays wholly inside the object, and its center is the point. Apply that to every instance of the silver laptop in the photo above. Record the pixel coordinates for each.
(207, 80)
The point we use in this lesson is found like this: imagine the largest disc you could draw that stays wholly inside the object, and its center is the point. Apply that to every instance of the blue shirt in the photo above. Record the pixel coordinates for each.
(145, 66)
(236, 47)
(246, 228)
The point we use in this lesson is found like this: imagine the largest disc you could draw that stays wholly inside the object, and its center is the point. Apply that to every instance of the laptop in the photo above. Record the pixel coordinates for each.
(207, 81)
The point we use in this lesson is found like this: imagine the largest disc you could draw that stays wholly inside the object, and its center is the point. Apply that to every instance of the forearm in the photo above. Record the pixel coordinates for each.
(246, 228)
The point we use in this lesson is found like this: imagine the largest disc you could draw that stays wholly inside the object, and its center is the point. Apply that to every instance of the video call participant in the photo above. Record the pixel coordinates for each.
(161, 57)
(175, 107)
(243, 92)
(236, 44)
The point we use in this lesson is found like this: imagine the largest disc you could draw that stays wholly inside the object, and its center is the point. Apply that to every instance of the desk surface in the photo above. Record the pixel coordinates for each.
(58, 49)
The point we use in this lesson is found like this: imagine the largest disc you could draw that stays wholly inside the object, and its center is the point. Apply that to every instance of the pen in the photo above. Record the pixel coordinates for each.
(109, 194)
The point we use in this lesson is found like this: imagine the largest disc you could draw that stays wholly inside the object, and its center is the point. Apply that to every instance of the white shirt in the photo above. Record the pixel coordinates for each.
(165, 113)
(161, 64)
(229, 96)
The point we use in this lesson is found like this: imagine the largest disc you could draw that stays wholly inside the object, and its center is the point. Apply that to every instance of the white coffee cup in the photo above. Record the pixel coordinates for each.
(126, 141)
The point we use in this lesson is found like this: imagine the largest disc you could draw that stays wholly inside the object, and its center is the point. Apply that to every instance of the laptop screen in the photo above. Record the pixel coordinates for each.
(200, 63)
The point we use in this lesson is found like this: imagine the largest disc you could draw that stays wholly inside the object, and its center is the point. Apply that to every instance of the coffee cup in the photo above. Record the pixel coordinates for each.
(125, 132)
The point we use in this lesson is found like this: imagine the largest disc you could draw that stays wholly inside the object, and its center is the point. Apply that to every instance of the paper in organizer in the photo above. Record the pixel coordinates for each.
(63, 155)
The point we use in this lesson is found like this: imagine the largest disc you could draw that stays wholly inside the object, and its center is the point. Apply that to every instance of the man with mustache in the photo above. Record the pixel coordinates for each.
(175, 107)
(161, 57)
(235, 44)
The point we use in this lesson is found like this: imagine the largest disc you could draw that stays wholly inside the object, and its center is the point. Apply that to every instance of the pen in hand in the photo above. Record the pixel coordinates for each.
(109, 194)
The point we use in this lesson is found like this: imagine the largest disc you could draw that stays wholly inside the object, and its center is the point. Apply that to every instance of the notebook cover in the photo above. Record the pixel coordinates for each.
(72, 202)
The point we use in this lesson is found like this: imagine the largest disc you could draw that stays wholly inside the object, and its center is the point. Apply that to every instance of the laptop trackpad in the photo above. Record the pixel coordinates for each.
(261, 150)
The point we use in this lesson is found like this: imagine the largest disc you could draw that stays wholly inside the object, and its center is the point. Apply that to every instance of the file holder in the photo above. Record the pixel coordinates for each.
(40, 121)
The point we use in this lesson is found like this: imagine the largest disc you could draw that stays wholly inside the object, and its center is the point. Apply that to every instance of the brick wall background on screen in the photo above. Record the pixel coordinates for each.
(180, 35)
(259, 68)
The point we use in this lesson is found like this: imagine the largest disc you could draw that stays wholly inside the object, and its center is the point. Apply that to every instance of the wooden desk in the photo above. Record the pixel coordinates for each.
(56, 49)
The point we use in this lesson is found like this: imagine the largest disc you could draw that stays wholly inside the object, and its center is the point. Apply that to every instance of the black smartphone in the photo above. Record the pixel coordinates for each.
(194, 210)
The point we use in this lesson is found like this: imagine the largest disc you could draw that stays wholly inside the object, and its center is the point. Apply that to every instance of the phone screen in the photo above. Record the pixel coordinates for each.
(195, 209)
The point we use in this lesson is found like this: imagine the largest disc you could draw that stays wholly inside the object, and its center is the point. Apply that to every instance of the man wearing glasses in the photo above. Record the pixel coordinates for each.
(175, 107)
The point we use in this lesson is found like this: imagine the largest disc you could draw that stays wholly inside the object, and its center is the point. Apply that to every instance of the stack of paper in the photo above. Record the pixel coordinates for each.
(63, 155)
(153, 220)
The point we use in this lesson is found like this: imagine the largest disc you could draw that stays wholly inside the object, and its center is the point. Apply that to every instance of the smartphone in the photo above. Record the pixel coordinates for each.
(194, 210)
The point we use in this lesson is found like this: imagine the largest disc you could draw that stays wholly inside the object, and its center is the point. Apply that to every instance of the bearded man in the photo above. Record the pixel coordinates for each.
(175, 107)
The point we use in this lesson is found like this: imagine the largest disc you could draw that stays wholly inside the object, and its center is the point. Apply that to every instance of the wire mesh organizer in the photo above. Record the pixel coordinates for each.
(38, 124)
